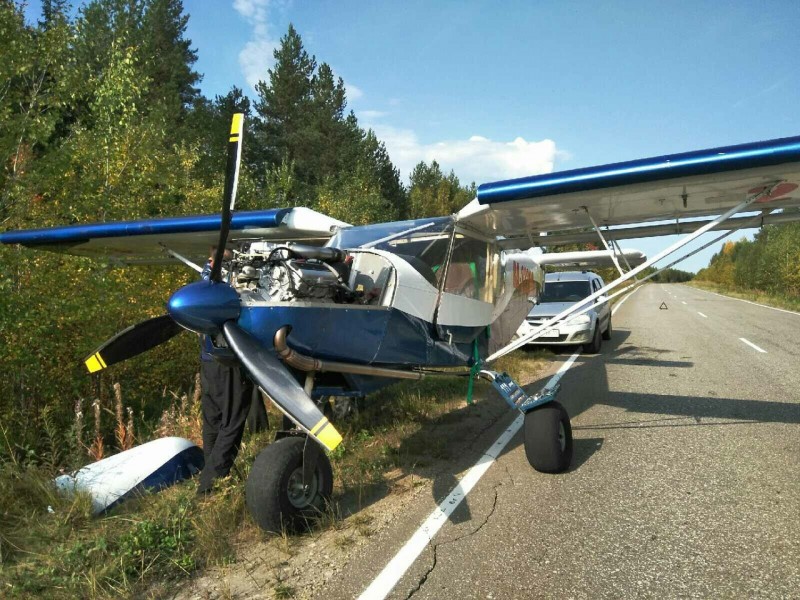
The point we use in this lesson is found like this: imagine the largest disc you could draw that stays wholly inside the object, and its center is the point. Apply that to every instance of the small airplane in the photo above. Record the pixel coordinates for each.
(313, 307)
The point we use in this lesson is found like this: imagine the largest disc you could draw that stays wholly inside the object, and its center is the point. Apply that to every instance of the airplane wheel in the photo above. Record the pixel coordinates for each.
(548, 438)
(275, 493)
(607, 333)
(594, 346)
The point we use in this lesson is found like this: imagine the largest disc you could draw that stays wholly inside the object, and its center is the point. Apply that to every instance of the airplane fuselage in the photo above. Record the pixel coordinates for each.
(425, 294)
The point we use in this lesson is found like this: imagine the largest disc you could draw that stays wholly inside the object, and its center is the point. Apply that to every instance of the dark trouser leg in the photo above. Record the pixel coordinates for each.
(234, 404)
(257, 419)
(211, 401)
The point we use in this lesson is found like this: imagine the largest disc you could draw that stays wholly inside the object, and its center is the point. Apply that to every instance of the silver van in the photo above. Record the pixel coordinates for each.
(560, 291)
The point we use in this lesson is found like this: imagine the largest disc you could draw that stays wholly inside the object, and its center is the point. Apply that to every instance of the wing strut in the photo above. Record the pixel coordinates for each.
(611, 251)
(182, 258)
(619, 251)
(588, 302)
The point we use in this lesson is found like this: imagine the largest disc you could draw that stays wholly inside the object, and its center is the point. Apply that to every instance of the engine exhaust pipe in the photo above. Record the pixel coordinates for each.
(307, 363)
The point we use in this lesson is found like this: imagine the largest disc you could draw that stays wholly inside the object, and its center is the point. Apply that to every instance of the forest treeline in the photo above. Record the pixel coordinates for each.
(673, 276)
(770, 263)
(102, 119)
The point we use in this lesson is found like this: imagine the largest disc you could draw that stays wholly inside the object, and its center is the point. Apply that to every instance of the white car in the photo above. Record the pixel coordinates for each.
(560, 291)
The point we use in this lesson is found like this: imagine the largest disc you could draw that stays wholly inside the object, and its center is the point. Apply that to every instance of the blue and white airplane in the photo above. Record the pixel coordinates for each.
(313, 307)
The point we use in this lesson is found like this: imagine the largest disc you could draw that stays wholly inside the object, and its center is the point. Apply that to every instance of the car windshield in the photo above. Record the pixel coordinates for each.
(565, 291)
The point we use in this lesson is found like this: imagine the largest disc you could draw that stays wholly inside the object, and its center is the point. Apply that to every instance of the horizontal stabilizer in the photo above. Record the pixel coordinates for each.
(591, 258)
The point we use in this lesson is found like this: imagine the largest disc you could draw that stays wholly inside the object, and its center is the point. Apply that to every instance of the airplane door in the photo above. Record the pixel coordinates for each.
(466, 302)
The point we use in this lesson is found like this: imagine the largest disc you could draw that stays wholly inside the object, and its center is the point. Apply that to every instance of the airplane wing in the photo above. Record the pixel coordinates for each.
(559, 207)
(143, 242)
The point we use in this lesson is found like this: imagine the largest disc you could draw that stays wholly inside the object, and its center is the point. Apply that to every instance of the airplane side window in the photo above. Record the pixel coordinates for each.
(470, 269)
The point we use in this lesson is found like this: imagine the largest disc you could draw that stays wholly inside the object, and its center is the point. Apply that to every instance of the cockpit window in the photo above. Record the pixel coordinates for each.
(474, 270)
(422, 243)
(565, 291)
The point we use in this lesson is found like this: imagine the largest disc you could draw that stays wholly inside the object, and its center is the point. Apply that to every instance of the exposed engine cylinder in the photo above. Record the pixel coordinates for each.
(291, 273)
(293, 279)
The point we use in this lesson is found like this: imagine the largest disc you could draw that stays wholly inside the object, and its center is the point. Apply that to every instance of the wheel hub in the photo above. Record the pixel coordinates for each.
(300, 495)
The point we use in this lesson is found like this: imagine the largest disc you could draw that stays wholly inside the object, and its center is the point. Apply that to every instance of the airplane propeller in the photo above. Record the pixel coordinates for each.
(214, 305)
(148, 334)
(229, 196)
(133, 341)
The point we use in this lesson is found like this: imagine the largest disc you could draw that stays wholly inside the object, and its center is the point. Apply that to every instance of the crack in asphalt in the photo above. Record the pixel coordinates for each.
(508, 473)
(427, 573)
(435, 547)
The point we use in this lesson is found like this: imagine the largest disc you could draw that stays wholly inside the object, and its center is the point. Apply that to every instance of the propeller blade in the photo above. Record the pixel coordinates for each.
(132, 341)
(229, 196)
(272, 377)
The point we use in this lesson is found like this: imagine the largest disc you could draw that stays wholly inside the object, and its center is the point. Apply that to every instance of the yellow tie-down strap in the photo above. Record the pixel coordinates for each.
(326, 433)
(95, 363)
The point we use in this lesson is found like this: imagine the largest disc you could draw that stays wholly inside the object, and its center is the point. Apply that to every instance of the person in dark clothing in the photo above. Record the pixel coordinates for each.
(227, 403)
(227, 394)
(257, 418)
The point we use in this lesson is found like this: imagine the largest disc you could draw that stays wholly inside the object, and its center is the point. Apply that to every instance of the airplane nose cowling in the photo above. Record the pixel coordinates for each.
(203, 306)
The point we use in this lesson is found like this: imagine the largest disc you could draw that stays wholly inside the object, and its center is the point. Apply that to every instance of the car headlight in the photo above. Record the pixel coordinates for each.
(579, 320)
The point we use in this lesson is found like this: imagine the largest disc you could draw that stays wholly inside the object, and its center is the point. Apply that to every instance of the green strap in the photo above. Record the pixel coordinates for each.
(473, 372)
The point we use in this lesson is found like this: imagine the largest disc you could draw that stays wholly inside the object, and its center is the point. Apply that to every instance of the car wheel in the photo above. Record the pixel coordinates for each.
(593, 347)
(608, 331)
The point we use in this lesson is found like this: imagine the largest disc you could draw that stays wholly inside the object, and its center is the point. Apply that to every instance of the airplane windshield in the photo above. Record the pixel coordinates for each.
(422, 243)
(565, 291)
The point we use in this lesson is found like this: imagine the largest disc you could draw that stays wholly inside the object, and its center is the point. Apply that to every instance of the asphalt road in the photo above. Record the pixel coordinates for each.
(685, 481)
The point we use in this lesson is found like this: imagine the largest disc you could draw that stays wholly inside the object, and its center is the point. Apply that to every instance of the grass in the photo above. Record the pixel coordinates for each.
(775, 300)
(52, 546)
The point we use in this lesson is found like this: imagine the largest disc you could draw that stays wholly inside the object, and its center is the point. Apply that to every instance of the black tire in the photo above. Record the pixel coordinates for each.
(548, 438)
(607, 333)
(274, 491)
(593, 347)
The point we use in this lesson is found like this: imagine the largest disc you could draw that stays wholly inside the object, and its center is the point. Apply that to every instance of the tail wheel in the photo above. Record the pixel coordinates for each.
(548, 438)
(276, 494)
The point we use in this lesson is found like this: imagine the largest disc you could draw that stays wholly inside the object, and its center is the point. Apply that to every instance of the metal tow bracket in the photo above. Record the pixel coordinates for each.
(515, 396)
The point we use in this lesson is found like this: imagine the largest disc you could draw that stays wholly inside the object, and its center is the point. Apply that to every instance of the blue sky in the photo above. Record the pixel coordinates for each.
(496, 90)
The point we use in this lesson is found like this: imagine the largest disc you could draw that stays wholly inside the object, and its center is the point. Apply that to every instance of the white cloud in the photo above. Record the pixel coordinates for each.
(257, 55)
(353, 92)
(368, 115)
(477, 159)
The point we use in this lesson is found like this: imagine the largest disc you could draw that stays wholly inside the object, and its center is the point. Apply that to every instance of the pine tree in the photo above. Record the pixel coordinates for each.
(169, 56)
(283, 105)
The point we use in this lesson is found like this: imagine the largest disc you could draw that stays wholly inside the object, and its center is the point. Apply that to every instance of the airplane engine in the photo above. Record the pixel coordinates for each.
(285, 274)
(291, 280)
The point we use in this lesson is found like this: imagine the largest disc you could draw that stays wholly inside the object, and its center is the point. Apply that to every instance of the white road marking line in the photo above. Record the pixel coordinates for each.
(752, 345)
(783, 310)
(397, 567)
(701, 314)
(616, 308)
